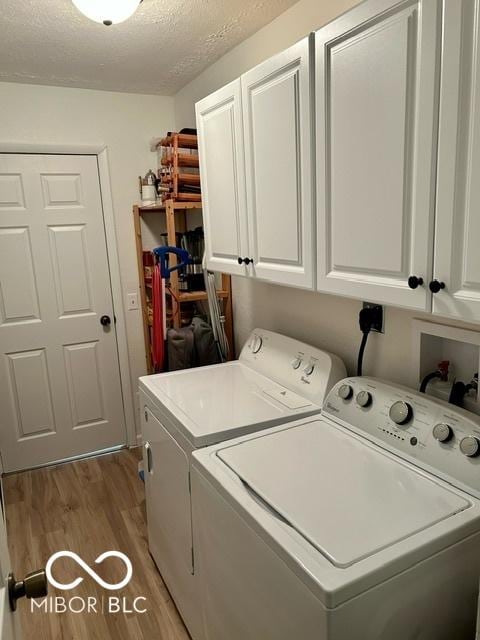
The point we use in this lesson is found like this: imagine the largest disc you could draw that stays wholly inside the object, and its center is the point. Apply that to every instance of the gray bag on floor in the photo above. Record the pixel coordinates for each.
(181, 348)
(206, 351)
(192, 346)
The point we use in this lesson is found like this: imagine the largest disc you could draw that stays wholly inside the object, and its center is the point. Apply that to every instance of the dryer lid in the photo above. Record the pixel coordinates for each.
(215, 403)
(345, 496)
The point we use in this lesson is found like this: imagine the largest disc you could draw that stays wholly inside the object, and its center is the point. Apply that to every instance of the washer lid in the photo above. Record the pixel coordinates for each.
(346, 497)
(223, 401)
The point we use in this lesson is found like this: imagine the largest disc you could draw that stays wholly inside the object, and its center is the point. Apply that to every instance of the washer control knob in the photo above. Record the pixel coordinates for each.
(364, 399)
(470, 446)
(401, 412)
(257, 344)
(345, 392)
(296, 362)
(309, 369)
(442, 432)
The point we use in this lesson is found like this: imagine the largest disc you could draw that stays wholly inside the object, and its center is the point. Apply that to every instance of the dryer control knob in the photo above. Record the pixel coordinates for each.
(470, 446)
(364, 399)
(309, 369)
(401, 412)
(442, 432)
(257, 344)
(296, 362)
(345, 392)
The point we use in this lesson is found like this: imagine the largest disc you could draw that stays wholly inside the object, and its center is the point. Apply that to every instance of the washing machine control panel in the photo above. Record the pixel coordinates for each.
(436, 436)
(299, 367)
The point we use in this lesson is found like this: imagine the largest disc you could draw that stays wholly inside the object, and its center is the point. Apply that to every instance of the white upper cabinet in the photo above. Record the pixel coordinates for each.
(457, 254)
(376, 83)
(222, 169)
(278, 140)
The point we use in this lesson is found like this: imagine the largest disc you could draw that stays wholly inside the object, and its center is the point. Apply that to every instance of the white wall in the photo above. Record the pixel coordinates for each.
(125, 123)
(326, 321)
(290, 26)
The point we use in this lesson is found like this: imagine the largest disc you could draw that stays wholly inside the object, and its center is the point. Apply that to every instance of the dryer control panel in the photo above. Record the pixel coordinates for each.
(436, 436)
(306, 370)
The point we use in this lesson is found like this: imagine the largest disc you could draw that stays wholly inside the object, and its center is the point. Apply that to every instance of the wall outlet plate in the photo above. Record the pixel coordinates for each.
(132, 301)
(378, 324)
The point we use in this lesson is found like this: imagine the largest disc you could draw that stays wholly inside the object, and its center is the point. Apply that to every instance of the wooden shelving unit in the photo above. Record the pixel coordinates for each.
(175, 156)
(176, 221)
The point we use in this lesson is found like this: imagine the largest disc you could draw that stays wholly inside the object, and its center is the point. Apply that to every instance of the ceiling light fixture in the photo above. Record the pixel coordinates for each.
(107, 12)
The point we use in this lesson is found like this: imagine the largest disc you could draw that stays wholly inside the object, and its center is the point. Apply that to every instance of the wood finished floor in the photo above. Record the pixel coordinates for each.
(89, 507)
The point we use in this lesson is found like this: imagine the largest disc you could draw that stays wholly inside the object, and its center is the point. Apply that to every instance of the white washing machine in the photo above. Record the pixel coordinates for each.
(362, 523)
(276, 379)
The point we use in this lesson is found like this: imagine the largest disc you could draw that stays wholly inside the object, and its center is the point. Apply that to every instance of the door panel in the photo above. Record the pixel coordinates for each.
(58, 366)
(457, 259)
(18, 288)
(220, 139)
(31, 393)
(68, 250)
(84, 384)
(11, 191)
(277, 123)
(376, 112)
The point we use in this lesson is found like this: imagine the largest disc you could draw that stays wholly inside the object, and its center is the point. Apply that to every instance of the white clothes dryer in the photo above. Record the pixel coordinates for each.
(276, 380)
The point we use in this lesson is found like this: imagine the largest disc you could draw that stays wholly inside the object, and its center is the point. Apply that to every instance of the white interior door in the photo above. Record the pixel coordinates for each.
(60, 387)
(278, 137)
(457, 258)
(376, 104)
(222, 172)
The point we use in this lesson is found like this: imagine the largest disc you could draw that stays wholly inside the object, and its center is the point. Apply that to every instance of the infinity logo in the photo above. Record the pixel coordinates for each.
(89, 570)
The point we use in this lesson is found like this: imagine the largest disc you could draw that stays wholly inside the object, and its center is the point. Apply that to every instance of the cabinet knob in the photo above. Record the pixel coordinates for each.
(435, 286)
(240, 260)
(414, 282)
(248, 261)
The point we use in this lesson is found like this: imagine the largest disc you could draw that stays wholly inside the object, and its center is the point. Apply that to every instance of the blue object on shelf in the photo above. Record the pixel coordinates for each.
(162, 254)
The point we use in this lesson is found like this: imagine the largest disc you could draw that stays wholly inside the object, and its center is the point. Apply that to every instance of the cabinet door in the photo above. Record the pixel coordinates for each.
(220, 145)
(376, 114)
(457, 257)
(278, 161)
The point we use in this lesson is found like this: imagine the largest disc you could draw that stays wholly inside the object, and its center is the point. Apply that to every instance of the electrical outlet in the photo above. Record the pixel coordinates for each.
(378, 324)
(132, 301)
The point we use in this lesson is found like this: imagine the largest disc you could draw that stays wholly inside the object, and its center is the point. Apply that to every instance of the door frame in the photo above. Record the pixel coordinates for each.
(101, 153)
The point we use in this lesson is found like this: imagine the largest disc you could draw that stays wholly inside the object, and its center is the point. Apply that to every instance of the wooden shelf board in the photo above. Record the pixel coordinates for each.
(185, 141)
(197, 204)
(183, 160)
(183, 178)
(197, 296)
(189, 197)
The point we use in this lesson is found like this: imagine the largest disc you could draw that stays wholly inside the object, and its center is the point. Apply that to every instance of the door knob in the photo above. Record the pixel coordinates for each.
(35, 585)
(435, 286)
(414, 282)
(105, 321)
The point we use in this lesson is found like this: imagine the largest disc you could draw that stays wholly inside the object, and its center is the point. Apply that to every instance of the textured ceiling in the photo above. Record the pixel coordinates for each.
(159, 50)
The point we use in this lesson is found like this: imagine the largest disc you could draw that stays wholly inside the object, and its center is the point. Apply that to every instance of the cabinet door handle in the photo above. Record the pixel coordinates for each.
(414, 282)
(435, 286)
(148, 451)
